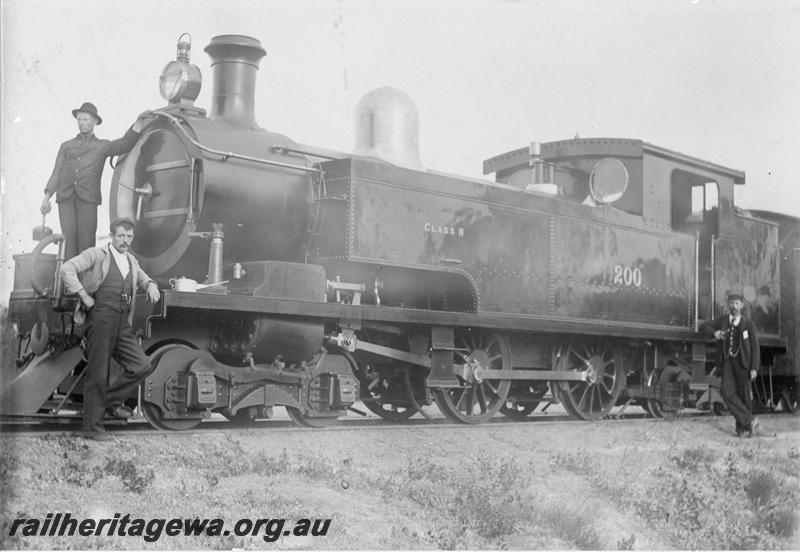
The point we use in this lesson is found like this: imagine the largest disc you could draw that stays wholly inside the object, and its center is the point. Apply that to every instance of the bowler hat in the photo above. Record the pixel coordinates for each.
(89, 108)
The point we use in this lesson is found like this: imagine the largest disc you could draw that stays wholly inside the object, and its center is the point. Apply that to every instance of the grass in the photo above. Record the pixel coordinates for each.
(701, 501)
(486, 503)
(574, 525)
(484, 499)
(685, 498)
(483, 503)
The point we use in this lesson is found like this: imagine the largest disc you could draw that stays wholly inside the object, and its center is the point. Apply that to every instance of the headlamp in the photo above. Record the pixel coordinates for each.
(180, 80)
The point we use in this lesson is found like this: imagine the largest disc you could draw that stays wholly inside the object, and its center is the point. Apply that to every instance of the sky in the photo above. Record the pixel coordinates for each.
(718, 80)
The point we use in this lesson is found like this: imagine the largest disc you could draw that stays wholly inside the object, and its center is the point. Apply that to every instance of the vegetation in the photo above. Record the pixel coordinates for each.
(467, 489)
(696, 500)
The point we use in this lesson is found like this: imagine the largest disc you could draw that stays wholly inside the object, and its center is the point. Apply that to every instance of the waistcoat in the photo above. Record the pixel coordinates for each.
(733, 341)
(115, 292)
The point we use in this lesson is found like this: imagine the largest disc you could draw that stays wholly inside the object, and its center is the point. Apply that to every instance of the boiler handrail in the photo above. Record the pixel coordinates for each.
(230, 155)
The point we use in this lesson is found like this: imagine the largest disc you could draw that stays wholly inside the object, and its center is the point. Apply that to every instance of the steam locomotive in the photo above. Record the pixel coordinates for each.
(579, 275)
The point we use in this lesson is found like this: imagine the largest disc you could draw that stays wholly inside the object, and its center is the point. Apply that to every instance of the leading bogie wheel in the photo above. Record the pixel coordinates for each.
(302, 417)
(477, 399)
(304, 420)
(151, 411)
(601, 360)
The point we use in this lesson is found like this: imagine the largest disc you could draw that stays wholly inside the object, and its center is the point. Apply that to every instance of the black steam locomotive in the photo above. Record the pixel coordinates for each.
(580, 275)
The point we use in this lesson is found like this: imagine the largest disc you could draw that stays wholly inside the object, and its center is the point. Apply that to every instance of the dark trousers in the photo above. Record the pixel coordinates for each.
(736, 392)
(78, 224)
(108, 335)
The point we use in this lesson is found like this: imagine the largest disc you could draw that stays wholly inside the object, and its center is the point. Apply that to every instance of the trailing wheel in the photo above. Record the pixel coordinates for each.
(477, 399)
(594, 398)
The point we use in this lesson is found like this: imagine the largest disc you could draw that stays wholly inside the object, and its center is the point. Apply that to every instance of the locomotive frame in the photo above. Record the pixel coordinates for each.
(354, 278)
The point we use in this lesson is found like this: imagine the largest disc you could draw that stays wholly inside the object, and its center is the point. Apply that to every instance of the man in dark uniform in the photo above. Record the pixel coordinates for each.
(737, 357)
(76, 177)
(106, 278)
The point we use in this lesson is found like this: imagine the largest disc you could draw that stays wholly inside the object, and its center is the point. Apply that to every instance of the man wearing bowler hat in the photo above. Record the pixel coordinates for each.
(737, 357)
(106, 279)
(75, 180)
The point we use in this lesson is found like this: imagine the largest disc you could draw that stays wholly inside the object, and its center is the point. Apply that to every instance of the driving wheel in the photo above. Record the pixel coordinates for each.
(477, 399)
(594, 398)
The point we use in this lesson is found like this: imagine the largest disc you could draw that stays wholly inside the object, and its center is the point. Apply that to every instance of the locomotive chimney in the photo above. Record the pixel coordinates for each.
(234, 62)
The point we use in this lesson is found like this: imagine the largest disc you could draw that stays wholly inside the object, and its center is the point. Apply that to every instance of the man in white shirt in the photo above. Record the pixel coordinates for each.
(106, 278)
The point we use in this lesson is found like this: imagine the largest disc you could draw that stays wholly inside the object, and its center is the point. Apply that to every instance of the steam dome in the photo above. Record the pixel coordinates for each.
(387, 127)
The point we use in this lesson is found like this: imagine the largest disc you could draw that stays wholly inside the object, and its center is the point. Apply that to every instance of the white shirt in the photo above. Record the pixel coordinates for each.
(121, 259)
(735, 321)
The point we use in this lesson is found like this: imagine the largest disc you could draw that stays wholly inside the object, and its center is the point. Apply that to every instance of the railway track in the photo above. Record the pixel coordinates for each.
(138, 426)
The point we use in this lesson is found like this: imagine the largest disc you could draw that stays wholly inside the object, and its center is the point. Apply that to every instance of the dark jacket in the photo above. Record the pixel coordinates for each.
(748, 340)
(79, 166)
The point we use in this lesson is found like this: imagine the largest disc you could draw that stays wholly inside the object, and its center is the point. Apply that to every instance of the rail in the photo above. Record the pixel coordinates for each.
(230, 155)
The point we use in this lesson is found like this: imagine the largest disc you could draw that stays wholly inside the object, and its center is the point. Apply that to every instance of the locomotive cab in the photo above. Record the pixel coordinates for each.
(695, 211)
(686, 201)
(672, 194)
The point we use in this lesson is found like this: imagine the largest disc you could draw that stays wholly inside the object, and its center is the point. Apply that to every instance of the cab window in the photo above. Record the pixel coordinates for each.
(695, 202)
